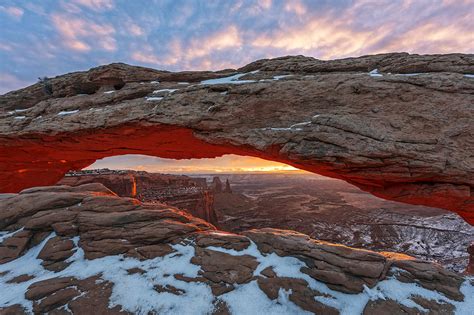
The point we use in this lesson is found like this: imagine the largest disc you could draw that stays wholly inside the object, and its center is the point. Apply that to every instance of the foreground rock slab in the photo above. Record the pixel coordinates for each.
(397, 125)
(83, 249)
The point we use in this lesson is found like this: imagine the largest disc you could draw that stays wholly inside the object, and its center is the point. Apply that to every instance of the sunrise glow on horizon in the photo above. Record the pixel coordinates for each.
(225, 164)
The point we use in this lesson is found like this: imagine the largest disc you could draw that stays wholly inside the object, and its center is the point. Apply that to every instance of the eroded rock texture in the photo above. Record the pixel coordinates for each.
(183, 192)
(404, 132)
(85, 250)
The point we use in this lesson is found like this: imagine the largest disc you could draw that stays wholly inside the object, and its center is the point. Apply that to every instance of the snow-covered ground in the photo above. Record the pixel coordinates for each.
(135, 292)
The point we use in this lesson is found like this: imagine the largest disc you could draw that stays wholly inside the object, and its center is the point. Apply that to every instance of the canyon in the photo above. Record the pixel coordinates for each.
(398, 126)
(323, 208)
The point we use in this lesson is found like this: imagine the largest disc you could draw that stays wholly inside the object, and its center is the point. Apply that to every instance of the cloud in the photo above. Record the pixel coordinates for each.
(135, 30)
(9, 82)
(14, 12)
(322, 37)
(146, 57)
(296, 6)
(78, 34)
(96, 5)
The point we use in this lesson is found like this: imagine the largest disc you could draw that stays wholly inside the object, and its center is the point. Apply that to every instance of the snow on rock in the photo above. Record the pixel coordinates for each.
(109, 92)
(20, 117)
(278, 77)
(4, 235)
(154, 98)
(67, 112)
(249, 299)
(347, 304)
(233, 79)
(375, 73)
(469, 75)
(165, 91)
(294, 127)
(17, 111)
(132, 292)
(408, 74)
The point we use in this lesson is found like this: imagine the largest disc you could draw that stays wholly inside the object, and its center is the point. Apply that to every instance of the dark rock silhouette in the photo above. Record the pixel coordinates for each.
(227, 188)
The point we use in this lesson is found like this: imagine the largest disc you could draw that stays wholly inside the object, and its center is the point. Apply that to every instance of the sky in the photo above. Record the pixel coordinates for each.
(53, 37)
(226, 164)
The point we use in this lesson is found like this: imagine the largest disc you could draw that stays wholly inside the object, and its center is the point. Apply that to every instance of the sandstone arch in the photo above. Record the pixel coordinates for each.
(404, 133)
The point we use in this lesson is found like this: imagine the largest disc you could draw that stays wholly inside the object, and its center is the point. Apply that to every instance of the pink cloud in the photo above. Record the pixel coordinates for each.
(146, 55)
(76, 33)
(295, 6)
(9, 82)
(199, 50)
(321, 37)
(14, 12)
(135, 30)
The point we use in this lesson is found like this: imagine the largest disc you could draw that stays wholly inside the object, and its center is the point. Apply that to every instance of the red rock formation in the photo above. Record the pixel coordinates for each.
(216, 184)
(186, 193)
(403, 138)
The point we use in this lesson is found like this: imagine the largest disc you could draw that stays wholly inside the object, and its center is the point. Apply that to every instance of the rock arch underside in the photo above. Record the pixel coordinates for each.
(396, 125)
(403, 132)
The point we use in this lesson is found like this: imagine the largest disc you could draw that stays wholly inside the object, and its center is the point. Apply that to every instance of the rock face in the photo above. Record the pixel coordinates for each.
(85, 250)
(397, 125)
(185, 193)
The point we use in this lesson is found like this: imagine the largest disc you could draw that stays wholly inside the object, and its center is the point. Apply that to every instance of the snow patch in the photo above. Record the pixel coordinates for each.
(20, 117)
(67, 112)
(17, 111)
(469, 76)
(233, 79)
(109, 92)
(278, 77)
(5, 234)
(165, 91)
(154, 98)
(305, 123)
(375, 73)
(154, 82)
(408, 74)
(249, 299)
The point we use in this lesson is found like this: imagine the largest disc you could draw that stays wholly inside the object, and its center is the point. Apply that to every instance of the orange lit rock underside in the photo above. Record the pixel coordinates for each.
(402, 138)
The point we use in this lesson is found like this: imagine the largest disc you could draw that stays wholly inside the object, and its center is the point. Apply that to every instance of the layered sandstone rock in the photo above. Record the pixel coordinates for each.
(402, 132)
(85, 250)
(184, 192)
